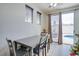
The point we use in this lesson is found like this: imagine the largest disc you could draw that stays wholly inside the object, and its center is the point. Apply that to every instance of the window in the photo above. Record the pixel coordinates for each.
(29, 14)
(68, 18)
(38, 18)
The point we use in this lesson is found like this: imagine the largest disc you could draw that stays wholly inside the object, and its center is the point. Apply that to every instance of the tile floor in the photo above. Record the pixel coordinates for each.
(59, 50)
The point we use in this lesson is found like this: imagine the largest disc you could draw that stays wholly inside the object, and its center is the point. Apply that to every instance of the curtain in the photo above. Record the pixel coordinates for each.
(60, 30)
(49, 26)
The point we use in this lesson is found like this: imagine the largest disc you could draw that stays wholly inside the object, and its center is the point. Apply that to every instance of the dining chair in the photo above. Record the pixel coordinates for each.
(22, 51)
(41, 46)
(48, 40)
(11, 48)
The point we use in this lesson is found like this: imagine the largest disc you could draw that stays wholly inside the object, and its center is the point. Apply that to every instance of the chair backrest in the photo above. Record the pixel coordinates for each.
(43, 41)
(11, 49)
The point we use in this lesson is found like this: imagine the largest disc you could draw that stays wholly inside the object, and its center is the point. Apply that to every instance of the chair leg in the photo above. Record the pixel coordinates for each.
(48, 46)
(38, 54)
(30, 52)
(45, 51)
(34, 54)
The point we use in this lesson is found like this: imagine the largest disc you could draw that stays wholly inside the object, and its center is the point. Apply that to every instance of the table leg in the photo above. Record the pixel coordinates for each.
(15, 46)
(30, 52)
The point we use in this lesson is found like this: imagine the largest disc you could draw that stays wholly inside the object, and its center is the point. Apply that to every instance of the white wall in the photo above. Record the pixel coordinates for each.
(44, 19)
(13, 25)
(44, 22)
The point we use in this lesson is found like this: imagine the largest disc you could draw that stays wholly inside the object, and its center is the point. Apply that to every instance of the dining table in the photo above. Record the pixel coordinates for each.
(30, 42)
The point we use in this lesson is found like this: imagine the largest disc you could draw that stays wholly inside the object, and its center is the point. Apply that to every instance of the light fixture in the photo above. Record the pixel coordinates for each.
(55, 4)
(52, 4)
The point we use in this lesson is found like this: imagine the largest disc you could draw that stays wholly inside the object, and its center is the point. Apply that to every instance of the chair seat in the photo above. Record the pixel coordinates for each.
(35, 50)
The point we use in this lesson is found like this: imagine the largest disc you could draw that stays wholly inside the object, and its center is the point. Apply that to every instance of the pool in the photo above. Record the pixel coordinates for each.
(68, 36)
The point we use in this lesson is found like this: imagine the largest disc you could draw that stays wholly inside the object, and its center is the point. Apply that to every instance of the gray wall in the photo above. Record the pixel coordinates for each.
(13, 25)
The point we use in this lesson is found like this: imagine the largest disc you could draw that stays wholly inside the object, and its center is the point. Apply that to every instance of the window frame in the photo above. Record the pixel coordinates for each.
(68, 13)
(26, 6)
(39, 13)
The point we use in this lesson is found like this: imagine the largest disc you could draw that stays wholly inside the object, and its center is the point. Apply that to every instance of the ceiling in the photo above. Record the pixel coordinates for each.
(45, 6)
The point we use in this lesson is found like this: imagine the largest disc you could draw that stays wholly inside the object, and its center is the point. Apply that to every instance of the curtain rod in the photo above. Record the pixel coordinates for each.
(62, 11)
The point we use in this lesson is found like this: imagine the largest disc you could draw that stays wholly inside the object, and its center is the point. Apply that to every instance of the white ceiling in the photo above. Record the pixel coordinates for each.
(45, 6)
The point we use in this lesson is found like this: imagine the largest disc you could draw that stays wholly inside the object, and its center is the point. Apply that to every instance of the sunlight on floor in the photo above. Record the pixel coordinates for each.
(59, 50)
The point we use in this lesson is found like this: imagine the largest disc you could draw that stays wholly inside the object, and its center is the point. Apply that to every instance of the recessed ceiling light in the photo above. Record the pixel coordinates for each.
(52, 4)
(55, 4)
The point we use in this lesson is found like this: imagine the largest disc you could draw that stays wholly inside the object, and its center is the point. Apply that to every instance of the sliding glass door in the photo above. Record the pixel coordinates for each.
(54, 27)
(68, 27)
(62, 27)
